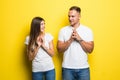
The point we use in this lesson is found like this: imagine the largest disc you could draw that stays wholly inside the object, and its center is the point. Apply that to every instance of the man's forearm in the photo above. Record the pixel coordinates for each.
(87, 46)
(63, 46)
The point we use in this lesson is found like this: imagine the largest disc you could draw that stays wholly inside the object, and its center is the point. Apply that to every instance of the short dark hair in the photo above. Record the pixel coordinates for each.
(76, 8)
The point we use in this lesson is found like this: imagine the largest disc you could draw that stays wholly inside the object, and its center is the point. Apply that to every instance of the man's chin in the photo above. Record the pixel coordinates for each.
(71, 24)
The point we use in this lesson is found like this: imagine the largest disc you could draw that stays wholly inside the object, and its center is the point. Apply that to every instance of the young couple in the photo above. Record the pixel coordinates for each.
(75, 41)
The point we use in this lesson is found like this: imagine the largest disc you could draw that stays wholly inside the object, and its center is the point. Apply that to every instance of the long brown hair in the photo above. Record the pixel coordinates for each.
(34, 32)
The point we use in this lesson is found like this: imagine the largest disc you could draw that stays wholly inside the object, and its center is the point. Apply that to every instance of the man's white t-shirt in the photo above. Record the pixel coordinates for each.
(75, 57)
(42, 61)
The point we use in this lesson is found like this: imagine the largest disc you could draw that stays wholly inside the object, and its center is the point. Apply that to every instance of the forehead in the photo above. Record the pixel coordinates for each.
(42, 21)
(73, 12)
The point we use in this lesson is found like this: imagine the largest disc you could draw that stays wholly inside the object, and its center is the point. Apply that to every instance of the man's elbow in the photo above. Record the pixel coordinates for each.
(90, 51)
(59, 49)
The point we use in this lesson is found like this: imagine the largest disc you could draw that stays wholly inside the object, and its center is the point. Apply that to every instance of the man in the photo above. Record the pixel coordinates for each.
(75, 41)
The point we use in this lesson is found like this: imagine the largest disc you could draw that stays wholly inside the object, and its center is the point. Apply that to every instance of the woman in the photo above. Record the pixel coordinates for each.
(40, 51)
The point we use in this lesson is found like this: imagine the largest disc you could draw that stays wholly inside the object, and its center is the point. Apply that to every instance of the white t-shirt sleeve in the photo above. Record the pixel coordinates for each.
(61, 35)
(90, 36)
(50, 37)
(86, 34)
(27, 40)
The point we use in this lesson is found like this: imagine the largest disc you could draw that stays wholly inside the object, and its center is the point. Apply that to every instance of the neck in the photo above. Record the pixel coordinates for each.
(42, 33)
(76, 25)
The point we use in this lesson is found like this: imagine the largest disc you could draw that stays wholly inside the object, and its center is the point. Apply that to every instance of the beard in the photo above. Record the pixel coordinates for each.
(72, 23)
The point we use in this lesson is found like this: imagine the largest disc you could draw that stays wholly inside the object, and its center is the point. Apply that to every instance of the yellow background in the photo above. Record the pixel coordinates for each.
(102, 16)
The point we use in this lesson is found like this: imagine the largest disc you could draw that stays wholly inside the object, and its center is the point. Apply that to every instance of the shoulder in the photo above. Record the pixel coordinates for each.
(64, 28)
(48, 35)
(27, 40)
(85, 28)
(27, 37)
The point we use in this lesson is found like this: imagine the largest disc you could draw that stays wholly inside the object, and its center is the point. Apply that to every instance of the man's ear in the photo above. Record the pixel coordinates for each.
(79, 16)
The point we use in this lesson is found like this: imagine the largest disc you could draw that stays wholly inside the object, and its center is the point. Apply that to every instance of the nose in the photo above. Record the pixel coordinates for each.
(70, 18)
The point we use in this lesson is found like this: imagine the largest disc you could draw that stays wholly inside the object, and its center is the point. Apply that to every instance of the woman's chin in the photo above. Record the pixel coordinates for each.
(42, 31)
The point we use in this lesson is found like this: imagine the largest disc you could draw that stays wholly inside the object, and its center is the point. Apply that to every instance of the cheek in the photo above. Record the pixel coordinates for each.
(42, 28)
(76, 19)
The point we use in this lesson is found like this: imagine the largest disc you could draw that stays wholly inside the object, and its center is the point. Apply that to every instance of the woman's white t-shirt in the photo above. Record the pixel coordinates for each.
(42, 61)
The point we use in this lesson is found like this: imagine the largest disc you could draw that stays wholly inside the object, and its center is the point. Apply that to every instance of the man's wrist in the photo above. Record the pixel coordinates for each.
(80, 40)
(69, 41)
